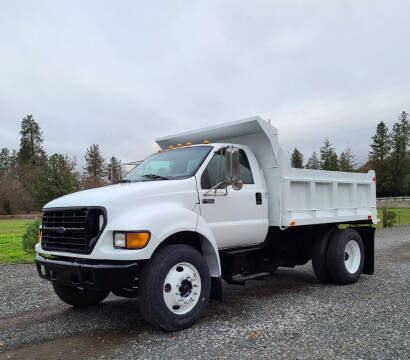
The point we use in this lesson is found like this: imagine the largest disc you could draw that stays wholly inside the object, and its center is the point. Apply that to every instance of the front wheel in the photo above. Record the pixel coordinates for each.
(345, 256)
(174, 287)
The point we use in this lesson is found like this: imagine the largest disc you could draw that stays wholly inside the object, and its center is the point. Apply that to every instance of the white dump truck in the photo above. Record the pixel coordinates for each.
(216, 203)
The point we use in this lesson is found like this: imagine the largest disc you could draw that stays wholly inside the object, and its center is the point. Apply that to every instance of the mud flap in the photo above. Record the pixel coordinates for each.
(367, 235)
(216, 288)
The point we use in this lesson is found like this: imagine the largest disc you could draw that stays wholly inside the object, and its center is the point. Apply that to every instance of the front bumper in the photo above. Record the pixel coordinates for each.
(91, 275)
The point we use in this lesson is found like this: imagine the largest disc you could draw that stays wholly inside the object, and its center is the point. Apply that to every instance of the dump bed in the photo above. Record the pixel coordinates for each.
(317, 196)
(296, 196)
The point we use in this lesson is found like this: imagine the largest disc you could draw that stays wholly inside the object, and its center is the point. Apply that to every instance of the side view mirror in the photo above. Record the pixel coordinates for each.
(232, 168)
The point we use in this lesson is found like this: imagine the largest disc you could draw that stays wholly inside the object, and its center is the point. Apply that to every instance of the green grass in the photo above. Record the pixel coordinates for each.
(12, 230)
(402, 216)
(11, 250)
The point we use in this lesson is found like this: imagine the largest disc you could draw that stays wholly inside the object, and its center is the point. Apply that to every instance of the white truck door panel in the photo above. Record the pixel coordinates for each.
(236, 218)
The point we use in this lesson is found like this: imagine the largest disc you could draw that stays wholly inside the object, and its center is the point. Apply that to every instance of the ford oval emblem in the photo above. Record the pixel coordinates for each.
(61, 230)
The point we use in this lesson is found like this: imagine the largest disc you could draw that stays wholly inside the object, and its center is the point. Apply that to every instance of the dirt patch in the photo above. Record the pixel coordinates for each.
(27, 317)
(71, 347)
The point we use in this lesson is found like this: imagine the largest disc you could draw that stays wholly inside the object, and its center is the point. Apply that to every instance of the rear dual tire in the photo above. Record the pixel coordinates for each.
(338, 256)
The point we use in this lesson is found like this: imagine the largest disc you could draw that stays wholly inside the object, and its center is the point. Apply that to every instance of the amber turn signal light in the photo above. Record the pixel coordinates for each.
(137, 240)
(131, 240)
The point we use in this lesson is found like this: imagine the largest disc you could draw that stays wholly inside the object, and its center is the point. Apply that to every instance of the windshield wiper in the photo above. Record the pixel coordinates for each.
(155, 176)
(124, 181)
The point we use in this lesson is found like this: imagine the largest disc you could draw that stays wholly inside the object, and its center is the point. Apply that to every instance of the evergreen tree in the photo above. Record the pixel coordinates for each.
(379, 158)
(95, 163)
(95, 167)
(31, 151)
(328, 157)
(313, 162)
(114, 170)
(55, 179)
(297, 159)
(347, 160)
(381, 143)
(400, 157)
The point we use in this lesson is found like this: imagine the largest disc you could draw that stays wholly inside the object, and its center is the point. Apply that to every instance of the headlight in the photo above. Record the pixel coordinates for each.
(131, 239)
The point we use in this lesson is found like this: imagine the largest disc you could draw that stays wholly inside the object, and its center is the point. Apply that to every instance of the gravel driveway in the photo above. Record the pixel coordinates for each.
(289, 315)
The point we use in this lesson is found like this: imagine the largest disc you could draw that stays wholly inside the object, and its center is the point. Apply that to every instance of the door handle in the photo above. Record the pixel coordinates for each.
(258, 198)
(208, 201)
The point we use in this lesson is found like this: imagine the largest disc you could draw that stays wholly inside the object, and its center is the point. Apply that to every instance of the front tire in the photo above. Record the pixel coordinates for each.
(174, 287)
(78, 297)
(345, 256)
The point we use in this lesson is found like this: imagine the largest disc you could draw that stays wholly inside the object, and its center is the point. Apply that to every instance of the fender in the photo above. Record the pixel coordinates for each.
(210, 247)
(162, 223)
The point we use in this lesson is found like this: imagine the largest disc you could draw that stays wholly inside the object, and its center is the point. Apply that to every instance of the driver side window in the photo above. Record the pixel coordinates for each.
(215, 171)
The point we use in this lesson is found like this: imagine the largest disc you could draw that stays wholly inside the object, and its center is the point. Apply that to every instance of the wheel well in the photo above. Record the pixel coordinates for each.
(199, 242)
(190, 238)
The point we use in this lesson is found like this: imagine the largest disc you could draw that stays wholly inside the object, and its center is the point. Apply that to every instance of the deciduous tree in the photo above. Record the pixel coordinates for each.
(347, 160)
(7, 161)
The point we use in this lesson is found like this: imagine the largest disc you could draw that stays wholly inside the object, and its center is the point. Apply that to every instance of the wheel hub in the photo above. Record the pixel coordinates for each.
(352, 256)
(182, 288)
(185, 288)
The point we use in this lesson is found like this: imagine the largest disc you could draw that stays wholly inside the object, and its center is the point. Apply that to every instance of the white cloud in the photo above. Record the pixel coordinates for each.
(121, 74)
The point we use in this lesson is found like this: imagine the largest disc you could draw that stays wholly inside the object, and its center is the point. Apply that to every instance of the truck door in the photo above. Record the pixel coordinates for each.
(237, 218)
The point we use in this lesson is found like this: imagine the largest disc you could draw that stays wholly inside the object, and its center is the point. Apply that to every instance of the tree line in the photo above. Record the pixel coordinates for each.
(29, 178)
(389, 156)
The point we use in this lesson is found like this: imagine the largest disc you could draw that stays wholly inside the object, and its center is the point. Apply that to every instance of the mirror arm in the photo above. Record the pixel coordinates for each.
(215, 187)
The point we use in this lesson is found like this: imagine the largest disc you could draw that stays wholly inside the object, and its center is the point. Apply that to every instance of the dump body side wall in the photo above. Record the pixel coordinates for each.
(318, 197)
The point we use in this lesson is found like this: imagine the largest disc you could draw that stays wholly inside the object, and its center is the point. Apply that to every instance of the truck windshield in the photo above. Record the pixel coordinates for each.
(170, 164)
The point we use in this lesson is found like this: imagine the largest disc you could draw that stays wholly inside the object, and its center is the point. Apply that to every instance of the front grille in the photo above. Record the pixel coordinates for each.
(73, 230)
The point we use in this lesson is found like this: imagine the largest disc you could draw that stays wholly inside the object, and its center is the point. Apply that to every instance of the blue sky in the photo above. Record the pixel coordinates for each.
(123, 73)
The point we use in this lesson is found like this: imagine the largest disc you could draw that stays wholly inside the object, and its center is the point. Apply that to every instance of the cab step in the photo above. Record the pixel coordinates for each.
(239, 279)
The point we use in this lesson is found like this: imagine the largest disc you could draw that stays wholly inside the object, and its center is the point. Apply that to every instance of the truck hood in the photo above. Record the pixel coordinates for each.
(128, 192)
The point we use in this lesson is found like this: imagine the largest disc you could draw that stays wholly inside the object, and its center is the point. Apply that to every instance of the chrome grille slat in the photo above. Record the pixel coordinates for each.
(69, 230)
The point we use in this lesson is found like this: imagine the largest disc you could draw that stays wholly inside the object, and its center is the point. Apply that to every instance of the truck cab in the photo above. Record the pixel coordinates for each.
(219, 203)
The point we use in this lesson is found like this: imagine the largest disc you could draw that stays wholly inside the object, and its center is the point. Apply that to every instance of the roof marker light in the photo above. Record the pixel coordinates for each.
(188, 143)
(206, 141)
(179, 145)
(170, 147)
(293, 222)
(159, 150)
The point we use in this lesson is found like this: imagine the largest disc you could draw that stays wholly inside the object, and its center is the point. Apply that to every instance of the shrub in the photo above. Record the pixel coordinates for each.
(390, 218)
(30, 237)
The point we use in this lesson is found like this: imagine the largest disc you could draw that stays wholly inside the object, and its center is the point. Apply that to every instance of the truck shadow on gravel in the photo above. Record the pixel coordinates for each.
(98, 330)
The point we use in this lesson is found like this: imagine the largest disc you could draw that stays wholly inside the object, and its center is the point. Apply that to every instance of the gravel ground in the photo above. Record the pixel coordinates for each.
(287, 316)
